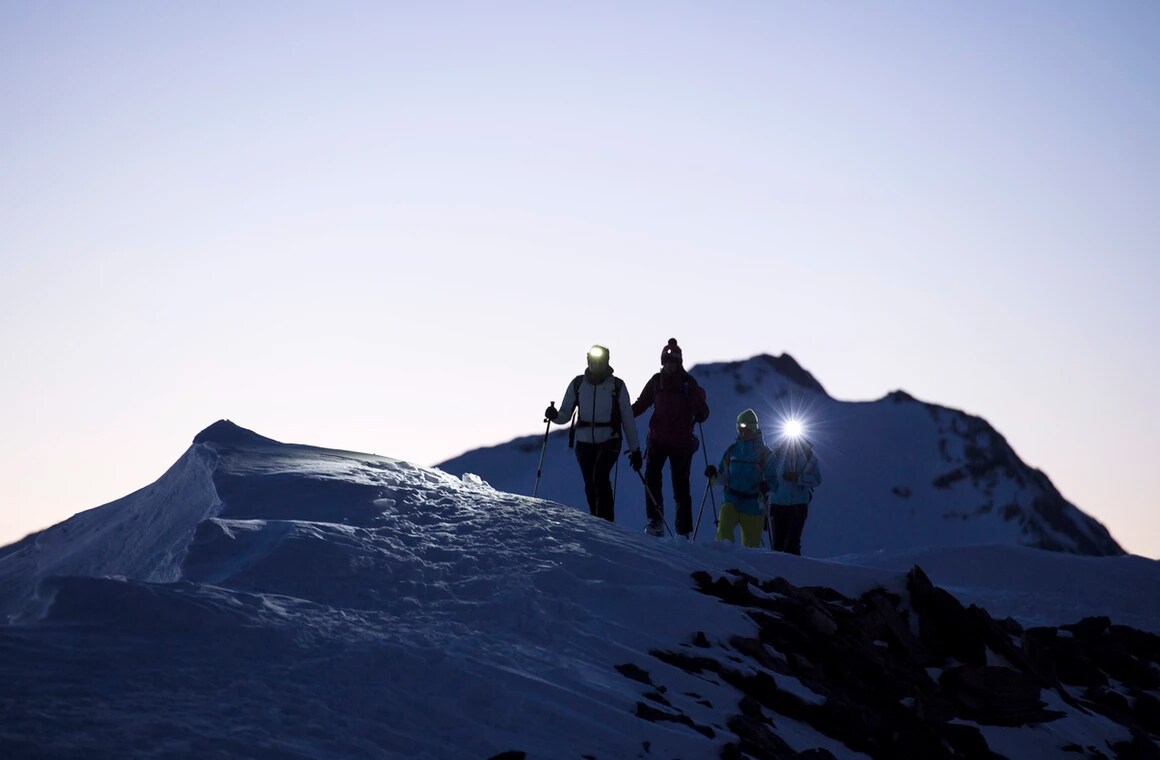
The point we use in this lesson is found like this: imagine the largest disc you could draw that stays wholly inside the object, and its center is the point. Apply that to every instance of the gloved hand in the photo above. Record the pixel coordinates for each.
(698, 418)
(710, 472)
(789, 477)
(635, 461)
(551, 413)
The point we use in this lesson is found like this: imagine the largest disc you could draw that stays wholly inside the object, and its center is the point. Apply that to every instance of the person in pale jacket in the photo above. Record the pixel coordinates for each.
(603, 420)
(798, 474)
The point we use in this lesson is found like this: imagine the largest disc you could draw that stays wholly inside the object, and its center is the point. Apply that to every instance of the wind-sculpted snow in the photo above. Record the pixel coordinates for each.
(276, 600)
(142, 536)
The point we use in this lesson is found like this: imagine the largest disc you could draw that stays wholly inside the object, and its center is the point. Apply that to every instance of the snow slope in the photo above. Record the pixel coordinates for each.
(276, 600)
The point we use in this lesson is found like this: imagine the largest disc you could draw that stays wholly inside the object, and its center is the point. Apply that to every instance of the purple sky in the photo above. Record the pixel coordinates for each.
(398, 227)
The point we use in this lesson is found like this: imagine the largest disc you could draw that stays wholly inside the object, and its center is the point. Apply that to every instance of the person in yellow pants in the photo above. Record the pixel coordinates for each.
(748, 470)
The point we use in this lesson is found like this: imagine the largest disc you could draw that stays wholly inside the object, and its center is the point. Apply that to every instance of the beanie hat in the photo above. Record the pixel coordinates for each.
(671, 352)
(747, 420)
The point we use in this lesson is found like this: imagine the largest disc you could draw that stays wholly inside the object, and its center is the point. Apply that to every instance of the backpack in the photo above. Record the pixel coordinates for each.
(763, 452)
(656, 383)
(614, 423)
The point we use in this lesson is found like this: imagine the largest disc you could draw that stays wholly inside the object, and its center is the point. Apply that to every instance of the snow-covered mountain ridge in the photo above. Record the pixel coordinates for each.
(899, 473)
(270, 600)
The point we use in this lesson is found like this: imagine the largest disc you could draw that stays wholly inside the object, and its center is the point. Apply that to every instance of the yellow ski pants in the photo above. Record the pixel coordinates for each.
(751, 525)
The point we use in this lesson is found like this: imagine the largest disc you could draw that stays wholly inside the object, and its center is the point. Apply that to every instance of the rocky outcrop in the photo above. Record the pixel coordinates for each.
(914, 676)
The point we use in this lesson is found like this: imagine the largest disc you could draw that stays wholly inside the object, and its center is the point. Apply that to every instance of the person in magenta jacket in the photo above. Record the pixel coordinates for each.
(678, 403)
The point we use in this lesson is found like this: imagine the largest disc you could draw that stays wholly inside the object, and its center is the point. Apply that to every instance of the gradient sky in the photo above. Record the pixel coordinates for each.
(397, 227)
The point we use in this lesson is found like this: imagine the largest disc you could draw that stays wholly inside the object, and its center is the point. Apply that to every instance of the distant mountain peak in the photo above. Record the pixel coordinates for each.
(227, 433)
(784, 365)
(900, 472)
(788, 367)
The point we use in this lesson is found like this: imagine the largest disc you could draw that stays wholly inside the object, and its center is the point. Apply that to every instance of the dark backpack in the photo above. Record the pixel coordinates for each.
(696, 442)
(614, 423)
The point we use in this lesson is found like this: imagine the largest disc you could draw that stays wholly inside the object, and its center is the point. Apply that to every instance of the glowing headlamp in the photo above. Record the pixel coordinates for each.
(598, 360)
(793, 428)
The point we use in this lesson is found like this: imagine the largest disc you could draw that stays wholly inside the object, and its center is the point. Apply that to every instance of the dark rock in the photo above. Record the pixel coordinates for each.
(934, 708)
(756, 650)
(736, 592)
(650, 713)
(1146, 712)
(870, 671)
(1038, 645)
(755, 735)
(966, 741)
(1089, 627)
(1074, 664)
(635, 672)
(997, 637)
(1140, 747)
(1142, 644)
(761, 689)
(1087, 534)
(948, 479)
(1110, 703)
(687, 663)
(884, 620)
(944, 625)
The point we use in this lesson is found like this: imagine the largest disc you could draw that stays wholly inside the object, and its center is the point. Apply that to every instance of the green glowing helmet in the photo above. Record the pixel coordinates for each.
(747, 421)
(597, 358)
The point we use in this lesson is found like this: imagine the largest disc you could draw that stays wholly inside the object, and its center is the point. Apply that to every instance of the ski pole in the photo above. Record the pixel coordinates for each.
(648, 492)
(543, 448)
(708, 485)
(705, 454)
(768, 520)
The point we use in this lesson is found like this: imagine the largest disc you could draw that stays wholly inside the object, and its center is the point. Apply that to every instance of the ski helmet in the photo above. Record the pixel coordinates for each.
(747, 421)
(598, 359)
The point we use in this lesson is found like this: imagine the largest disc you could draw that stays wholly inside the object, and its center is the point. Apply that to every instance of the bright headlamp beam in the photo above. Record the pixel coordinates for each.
(793, 428)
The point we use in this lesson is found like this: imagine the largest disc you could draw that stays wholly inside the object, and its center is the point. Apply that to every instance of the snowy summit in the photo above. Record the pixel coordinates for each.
(271, 600)
(902, 473)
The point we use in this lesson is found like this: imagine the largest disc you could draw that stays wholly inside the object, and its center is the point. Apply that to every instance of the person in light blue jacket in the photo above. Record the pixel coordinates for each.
(746, 472)
(797, 475)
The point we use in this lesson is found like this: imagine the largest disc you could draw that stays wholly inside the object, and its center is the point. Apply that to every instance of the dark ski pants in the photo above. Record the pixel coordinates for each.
(788, 522)
(596, 463)
(680, 461)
